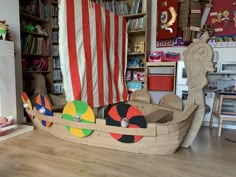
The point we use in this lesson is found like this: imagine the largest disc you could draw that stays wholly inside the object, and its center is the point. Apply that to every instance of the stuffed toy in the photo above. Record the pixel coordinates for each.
(3, 120)
(3, 30)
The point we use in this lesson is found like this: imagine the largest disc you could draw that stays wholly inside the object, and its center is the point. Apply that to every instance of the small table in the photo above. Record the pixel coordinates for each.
(217, 109)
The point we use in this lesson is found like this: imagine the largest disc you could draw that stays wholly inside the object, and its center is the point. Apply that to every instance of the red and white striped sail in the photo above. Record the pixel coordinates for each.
(93, 43)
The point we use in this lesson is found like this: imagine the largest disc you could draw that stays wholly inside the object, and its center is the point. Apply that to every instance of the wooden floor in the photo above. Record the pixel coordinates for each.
(37, 154)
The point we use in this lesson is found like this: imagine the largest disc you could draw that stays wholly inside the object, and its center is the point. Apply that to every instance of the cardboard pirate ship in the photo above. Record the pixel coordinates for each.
(135, 126)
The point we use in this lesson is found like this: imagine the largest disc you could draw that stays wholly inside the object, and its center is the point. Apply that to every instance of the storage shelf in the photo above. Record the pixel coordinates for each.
(54, 3)
(33, 33)
(215, 73)
(30, 72)
(133, 81)
(34, 18)
(160, 64)
(228, 113)
(135, 32)
(135, 68)
(36, 55)
(136, 54)
(57, 80)
(134, 16)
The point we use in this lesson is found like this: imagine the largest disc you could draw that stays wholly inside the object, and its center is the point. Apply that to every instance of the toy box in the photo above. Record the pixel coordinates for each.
(161, 82)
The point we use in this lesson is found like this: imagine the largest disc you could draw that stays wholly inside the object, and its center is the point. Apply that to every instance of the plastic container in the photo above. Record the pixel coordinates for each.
(160, 82)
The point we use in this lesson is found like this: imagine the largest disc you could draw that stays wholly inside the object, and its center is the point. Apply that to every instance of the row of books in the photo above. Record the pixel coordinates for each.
(54, 22)
(138, 6)
(35, 45)
(58, 88)
(38, 8)
(55, 50)
(118, 7)
(57, 76)
(55, 36)
(137, 24)
(122, 7)
(54, 10)
(56, 63)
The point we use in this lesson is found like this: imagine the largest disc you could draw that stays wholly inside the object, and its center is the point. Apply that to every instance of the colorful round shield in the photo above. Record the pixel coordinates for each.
(26, 103)
(43, 106)
(78, 111)
(128, 116)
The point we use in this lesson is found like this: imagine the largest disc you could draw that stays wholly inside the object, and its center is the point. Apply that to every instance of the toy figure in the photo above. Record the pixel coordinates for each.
(3, 120)
(3, 29)
(218, 18)
(234, 19)
(30, 28)
(226, 17)
(40, 30)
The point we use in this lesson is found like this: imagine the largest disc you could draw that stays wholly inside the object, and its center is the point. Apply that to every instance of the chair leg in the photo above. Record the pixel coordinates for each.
(213, 110)
(220, 127)
(211, 121)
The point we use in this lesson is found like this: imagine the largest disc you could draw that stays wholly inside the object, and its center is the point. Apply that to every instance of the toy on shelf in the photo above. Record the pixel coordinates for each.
(163, 57)
(6, 125)
(40, 30)
(3, 30)
(29, 28)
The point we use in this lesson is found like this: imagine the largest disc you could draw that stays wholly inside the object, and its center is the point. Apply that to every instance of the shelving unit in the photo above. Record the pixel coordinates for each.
(40, 53)
(138, 15)
(57, 75)
(35, 41)
(160, 76)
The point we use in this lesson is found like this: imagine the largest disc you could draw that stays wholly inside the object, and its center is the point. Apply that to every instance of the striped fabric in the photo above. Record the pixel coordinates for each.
(93, 43)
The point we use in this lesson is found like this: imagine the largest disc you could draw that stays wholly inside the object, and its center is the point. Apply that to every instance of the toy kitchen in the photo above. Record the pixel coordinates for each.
(223, 80)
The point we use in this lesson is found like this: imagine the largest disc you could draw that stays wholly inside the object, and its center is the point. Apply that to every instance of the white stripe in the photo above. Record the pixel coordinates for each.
(105, 71)
(93, 40)
(120, 40)
(80, 48)
(125, 63)
(63, 51)
(112, 55)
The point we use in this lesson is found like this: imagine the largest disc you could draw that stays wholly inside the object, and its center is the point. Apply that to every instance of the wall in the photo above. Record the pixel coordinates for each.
(9, 11)
(225, 54)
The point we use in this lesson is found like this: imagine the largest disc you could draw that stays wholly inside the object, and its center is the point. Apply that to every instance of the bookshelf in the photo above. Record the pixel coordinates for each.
(35, 41)
(138, 16)
(39, 43)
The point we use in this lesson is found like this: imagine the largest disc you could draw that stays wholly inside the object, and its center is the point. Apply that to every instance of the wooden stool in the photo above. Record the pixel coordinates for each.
(217, 109)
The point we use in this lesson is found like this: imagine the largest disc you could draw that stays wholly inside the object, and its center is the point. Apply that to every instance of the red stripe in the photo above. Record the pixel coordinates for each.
(124, 32)
(108, 44)
(99, 54)
(24, 96)
(87, 51)
(116, 61)
(74, 70)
